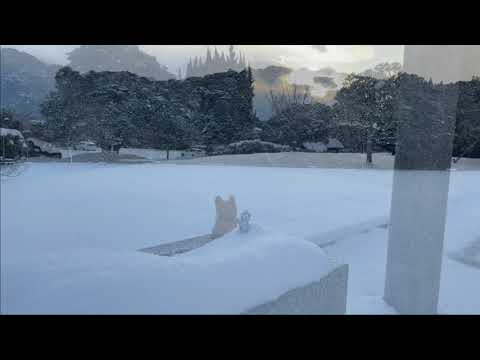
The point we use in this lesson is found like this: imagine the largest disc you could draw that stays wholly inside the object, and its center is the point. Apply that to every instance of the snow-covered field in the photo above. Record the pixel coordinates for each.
(150, 154)
(382, 161)
(70, 234)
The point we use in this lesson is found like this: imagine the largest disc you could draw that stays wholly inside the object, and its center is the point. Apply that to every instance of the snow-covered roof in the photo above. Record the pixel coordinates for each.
(12, 132)
(315, 146)
(321, 146)
(43, 144)
(334, 143)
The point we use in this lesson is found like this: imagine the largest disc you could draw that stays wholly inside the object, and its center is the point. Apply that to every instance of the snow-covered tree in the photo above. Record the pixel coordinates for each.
(467, 133)
(299, 123)
(383, 70)
(64, 109)
(368, 104)
(122, 109)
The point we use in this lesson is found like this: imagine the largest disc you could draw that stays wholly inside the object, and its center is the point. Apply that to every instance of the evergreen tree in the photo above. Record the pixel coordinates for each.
(216, 59)
(189, 69)
(9, 120)
(232, 56)
(368, 104)
(216, 63)
(224, 60)
(298, 124)
(467, 133)
(208, 62)
(120, 108)
(196, 66)
(242, 61)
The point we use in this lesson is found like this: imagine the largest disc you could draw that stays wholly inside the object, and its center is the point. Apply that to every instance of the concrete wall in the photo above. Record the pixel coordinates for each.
(328, 296)
(447, 63)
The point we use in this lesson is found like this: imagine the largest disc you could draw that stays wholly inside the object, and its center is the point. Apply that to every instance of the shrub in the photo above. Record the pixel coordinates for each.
(12, 147)
(250, 147)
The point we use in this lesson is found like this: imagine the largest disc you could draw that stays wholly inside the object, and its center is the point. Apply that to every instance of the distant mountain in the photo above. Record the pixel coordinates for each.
(117, 58)
(24, 82)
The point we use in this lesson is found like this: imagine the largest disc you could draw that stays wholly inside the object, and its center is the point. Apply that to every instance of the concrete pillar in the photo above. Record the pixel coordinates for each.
(421, 176)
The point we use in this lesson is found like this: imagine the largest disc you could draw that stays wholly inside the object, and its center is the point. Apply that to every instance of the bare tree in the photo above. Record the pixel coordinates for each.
(287, 96)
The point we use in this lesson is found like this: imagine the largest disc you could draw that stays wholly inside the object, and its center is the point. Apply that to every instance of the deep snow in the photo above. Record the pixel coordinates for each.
(70, 234)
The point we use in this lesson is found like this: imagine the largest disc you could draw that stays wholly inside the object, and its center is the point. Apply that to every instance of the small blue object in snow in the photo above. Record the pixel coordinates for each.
(245, 221)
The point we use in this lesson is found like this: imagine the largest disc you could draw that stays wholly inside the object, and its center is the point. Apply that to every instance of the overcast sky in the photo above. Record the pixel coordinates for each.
(345, 58)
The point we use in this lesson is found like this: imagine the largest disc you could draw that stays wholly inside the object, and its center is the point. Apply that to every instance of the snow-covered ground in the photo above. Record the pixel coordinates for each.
(66, 153)
(382, 161)
(70, 234)
(150, 154)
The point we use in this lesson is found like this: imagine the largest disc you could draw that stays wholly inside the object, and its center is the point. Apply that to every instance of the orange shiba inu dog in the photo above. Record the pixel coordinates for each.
(226, 219)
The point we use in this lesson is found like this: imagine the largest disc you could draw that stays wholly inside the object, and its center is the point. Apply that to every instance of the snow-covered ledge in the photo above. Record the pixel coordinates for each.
(328, 296)
(263, 272)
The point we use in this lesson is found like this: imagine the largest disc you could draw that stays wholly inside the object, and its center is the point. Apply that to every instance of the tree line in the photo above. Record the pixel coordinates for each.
(366, 113)
(215, 63)
(122, 109)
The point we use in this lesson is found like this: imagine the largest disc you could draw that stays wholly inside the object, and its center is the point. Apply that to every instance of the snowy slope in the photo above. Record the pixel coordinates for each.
(234, 274)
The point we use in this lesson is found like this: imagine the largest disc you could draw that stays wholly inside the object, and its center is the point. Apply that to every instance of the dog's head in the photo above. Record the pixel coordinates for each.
(226, 209)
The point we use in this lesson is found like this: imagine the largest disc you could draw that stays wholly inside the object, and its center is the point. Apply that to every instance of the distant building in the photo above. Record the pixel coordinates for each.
(333, 145)
(37, 122)
(85, 146)
(315, 146)
(11, 132)
(193, 152)
(39, 147)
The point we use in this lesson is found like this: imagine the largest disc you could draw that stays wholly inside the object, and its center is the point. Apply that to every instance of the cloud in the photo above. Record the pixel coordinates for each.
(320, 48)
